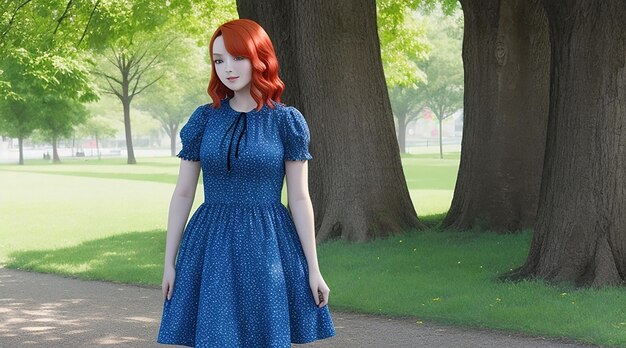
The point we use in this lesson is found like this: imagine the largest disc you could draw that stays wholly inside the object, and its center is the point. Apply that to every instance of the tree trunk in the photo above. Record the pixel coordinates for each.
(580, 235)
(55, 152)
(20, 141)
(506, 58)
(402, 132)
(328, 50)
(129, 137)
(97, 146)
(173, 133)
(440, 136)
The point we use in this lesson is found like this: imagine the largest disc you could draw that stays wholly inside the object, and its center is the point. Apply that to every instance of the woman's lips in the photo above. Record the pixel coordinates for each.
(232, 78)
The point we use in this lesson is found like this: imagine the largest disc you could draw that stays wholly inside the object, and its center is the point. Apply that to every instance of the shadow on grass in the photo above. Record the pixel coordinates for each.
(132, 257)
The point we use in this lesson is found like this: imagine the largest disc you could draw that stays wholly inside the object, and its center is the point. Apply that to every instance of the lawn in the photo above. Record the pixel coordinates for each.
(105, 220)
(79, 200)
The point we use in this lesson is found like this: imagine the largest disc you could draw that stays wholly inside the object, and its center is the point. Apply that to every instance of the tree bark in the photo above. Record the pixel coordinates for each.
(506, 58)
(330, 61)
(580, 235)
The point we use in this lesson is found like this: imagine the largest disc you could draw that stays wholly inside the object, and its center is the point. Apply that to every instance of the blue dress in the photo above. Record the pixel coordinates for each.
(241, 274)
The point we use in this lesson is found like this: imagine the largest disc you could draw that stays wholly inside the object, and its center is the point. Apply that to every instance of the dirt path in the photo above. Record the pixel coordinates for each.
(41, 310)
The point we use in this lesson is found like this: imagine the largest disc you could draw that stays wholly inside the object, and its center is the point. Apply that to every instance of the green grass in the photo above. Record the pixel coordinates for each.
(450, 277)
(105, 220)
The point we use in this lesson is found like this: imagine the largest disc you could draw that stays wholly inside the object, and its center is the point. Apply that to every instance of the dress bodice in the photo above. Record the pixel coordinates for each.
(243, 155)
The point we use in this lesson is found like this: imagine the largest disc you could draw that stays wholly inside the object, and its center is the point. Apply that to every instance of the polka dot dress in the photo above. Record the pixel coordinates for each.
(241, 274)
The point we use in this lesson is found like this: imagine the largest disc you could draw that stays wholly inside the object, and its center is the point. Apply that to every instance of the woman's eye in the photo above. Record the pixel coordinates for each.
(240, 58)
(217, 61)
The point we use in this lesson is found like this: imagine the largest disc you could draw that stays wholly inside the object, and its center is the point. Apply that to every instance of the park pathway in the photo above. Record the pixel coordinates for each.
(42, 310)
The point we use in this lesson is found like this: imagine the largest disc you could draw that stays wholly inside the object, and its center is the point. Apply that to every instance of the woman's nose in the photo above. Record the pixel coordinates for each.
(228, 65)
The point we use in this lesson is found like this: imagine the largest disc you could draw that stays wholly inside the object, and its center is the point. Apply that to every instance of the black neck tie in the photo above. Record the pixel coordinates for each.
(234, 127)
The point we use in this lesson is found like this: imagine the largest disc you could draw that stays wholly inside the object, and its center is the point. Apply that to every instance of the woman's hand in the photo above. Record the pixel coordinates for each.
(319, 289)
(169, 274)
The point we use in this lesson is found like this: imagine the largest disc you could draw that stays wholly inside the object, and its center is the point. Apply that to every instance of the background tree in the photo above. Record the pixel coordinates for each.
(17, 120)
(407, 104)
(443, 93)
(403, 46)
(181, 89)
(37, 80)
(134, 70)
(506, 63)
(58, 118)
(57, 28)
(97, 127)
(579, 235)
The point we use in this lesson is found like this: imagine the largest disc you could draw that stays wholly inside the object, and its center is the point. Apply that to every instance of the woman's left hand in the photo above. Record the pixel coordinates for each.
(319, 289)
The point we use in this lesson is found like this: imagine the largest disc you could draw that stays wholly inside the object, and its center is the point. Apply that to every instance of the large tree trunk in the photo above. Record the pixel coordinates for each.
(506, 59)
(20, 141)
(330, 61)
(580, 235)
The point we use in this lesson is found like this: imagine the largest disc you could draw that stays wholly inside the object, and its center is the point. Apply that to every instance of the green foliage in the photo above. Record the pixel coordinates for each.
(46, 48)
(44, 86)
(444, 68)
(95, 24)
(96, 126)
(402, 44)
(182, 88)
(402, 39)
(441, 89)
(59, 116)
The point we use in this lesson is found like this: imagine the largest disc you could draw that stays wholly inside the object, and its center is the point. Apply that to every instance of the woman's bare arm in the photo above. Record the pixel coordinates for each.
(302, 214)
(180, 206)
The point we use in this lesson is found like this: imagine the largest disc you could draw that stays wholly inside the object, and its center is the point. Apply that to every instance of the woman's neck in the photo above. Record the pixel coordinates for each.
(243, 101)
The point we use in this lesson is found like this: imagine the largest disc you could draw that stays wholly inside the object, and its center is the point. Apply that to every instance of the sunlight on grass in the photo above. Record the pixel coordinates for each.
(428, 202)
(57, 211)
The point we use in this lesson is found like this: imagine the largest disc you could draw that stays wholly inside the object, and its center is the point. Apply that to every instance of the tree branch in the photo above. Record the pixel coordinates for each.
(4, 33)
(137, 61)
(114, 91)
(108, 77)
(67, 8)
(144, 87)
(88, 23)
(111, 61)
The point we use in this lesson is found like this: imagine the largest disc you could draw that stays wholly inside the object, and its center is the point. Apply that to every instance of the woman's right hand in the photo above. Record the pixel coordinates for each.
(169, 274)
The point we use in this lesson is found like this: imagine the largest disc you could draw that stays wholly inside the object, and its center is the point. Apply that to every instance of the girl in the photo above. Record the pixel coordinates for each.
(246, 274)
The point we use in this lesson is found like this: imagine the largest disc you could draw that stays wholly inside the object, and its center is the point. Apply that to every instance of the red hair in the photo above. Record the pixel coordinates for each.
(244, 37)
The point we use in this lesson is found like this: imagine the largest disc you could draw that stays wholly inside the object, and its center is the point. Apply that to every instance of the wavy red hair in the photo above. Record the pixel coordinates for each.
(244, 37)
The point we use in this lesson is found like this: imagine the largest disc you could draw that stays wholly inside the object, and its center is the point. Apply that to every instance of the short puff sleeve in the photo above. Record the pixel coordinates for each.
(296, 136)
(191, 135)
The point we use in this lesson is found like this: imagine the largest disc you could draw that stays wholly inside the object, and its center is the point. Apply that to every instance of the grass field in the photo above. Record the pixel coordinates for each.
(105, 220)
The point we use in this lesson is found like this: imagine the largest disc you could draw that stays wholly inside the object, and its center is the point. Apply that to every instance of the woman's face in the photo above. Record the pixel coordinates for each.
(234, 72)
